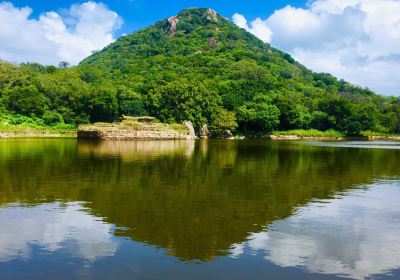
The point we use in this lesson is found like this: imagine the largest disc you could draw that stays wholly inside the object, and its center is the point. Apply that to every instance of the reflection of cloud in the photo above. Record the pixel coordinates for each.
(356, 235)
(52, 227)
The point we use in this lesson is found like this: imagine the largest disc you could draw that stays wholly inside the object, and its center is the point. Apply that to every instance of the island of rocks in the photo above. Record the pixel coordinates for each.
(137, 128)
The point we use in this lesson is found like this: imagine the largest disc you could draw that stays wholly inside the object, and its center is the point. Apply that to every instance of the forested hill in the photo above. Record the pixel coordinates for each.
(197, 66)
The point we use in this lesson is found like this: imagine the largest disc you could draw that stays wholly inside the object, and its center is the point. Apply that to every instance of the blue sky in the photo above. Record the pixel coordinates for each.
(355, 40)
(137, 14)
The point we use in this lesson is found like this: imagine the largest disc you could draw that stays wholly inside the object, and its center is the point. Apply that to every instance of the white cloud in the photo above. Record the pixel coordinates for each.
(358, 40)
(258, 27)
(53, 38)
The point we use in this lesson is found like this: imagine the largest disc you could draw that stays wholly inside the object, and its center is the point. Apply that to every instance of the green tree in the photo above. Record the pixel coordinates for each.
(26, 100)
(183, 99)
(362, 118)
(258, 116)
(103, 104)
(224, 120)
(294, 114)
(52, 118)
(130, 103)
(322, 121)
(68, 94)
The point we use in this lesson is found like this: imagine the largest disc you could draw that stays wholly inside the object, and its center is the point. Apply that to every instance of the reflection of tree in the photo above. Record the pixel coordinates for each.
(196, 207)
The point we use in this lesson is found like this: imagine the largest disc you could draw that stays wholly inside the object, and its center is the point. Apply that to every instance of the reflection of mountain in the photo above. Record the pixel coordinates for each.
(52, 226)
(196, 207)
(355, 236)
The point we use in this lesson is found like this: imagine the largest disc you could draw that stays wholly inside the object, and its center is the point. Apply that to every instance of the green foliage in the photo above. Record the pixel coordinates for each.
(103, 104)
(17, 122)
(206, 64)
(258, 116)
(52, 118)
(181, 100)
(362, 118)
(224, 120)
(131, 103)
(293, 112)
(26, 100)
(321, 120)
(310, 133)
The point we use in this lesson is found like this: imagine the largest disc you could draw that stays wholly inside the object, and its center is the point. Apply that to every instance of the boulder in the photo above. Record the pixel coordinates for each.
(189, 126)
(204, 131)
(227, 134)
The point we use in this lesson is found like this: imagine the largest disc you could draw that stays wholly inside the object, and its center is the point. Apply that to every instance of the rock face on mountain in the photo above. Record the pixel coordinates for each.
(172, 23)
(212, 15)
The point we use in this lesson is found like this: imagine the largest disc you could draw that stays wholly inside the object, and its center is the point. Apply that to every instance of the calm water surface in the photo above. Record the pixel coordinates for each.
(199, 210)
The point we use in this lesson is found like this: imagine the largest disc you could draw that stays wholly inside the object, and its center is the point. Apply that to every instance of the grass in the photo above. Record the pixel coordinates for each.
(310, 133)
(376, 133)
(143, 124)
(18, 125)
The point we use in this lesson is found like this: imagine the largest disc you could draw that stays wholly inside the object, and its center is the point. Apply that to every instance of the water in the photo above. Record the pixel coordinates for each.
(199, 210)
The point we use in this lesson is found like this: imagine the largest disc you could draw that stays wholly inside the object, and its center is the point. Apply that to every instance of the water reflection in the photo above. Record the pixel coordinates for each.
(137, 150)
(356, 235)
(201, 202)
(54, 227)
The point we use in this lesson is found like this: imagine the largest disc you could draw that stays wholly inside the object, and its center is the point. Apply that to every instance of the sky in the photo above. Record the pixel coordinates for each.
(357, 40)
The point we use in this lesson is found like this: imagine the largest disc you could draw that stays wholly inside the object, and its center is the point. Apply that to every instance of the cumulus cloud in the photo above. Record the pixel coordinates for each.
(258, 27)
(358, 40)
(53, 37)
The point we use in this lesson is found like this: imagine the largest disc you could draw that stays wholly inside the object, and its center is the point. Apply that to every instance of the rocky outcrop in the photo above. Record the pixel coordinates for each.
(173, 23)
(130, 129)
(383, 138)
(115, 133)
(212, 15)
(285, 137)
(204, 132)
(212, 43)
(189, 126)
(227, 134)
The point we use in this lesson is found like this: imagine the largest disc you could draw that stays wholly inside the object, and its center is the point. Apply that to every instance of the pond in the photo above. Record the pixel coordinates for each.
(73, 209)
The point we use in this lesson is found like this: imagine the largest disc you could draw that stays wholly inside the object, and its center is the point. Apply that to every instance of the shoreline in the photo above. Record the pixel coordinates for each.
(37, 134)
(294, 137)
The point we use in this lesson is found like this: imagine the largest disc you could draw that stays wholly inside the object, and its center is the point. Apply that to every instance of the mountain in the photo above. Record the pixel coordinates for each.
(200, 47)
(196, 66)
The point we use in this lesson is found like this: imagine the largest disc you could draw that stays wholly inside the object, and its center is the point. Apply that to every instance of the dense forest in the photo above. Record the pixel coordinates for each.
(197, 66)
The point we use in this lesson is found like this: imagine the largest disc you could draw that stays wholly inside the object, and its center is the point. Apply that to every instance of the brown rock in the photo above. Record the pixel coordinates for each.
(204, 131)
(172, 23)
(189, 126)
(227, 134)
(212, 43)
(212, 15)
